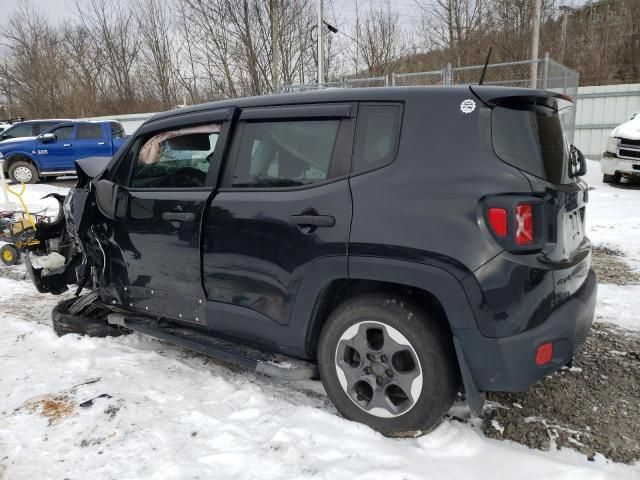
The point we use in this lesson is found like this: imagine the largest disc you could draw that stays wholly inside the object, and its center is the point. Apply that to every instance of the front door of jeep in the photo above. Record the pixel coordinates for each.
(154, 257)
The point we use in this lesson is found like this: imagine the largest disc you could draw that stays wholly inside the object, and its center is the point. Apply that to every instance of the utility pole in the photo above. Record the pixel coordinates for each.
(320, 43)
(565, 15)
(275, 53)
(534, 43)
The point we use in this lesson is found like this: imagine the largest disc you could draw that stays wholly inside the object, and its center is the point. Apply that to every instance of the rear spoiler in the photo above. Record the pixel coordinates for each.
(522, 98)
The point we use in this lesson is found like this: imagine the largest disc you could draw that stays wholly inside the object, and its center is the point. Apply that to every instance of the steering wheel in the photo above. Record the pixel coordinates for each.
(187, 177)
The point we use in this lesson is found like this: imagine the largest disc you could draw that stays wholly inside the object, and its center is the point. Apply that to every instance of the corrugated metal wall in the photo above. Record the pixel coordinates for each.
(599, 110)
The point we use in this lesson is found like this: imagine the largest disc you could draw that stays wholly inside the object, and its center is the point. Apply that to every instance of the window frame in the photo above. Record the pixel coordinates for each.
(340, 164)
(224, 117)
(358, 147)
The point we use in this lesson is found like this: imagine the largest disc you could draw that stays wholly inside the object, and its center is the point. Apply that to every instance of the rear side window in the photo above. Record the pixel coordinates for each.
(376, 136)
(176, 158)
(89, 131)
(117, 130)
(285, 153)
(532, 140)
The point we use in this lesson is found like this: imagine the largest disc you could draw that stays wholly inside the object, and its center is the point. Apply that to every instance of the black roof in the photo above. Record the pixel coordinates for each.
(359, 94)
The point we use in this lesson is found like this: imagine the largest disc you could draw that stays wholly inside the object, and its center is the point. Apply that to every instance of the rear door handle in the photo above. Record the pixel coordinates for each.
(66, 144)
(312, 220)
(179, 217)
(100, 143)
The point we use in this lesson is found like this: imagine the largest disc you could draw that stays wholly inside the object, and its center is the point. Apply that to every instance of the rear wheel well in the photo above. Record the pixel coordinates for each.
(340, 290)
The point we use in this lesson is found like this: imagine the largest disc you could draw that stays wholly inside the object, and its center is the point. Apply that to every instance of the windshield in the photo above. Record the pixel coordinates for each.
(532, 139)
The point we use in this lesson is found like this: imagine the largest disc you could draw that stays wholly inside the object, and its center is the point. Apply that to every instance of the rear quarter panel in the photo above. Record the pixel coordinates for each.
(424, 206)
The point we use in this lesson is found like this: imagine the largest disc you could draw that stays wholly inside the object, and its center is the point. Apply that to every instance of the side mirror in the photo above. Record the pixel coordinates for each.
(111, 199)
(47, 138)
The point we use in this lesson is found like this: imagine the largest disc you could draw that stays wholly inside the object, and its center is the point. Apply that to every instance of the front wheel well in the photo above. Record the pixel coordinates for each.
(341, 290)
(17, 158)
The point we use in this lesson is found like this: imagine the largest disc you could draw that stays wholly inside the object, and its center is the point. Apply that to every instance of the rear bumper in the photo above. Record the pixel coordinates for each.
(507, 364)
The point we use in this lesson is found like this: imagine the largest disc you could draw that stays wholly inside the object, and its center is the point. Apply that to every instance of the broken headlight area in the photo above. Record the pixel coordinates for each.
(67, 261)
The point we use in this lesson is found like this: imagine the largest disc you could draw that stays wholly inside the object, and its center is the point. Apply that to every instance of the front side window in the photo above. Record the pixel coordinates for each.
(285, 154)
(63, 133)
(43, 127)
(89, 131)
(176, 158)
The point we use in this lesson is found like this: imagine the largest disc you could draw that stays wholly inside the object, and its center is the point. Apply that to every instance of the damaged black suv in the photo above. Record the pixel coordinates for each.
(402, 244)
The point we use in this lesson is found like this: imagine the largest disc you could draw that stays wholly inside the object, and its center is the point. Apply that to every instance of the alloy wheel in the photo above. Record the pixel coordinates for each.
(378, 369)
(22, 174)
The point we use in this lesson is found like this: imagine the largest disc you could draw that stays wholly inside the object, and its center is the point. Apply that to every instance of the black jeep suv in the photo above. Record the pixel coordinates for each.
(400, 243)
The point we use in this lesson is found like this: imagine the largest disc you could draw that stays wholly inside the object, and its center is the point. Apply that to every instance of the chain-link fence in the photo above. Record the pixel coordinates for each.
(551, 75)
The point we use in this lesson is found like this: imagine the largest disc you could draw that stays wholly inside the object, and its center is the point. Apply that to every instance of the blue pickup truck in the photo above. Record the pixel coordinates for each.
(53, 153)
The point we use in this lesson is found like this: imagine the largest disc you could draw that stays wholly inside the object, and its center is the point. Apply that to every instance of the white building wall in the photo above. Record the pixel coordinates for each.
(600, 109)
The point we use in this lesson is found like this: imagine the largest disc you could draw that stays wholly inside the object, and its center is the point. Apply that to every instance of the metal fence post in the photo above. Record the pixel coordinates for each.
(448, 74)
(393, 79)
(545, 71)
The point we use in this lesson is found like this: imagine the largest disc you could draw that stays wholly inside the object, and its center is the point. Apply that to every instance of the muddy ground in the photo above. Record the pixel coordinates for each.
(592, 407)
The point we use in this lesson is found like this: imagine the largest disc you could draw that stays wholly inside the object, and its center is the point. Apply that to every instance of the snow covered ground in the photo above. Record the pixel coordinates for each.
(173, 414)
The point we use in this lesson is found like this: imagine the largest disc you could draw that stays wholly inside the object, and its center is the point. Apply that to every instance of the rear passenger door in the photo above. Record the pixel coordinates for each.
(283, 204)
(91, 141)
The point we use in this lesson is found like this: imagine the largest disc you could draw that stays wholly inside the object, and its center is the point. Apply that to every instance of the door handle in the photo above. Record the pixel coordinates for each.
(66, 144)
(312, 220)
(100, 143)
(179, 217)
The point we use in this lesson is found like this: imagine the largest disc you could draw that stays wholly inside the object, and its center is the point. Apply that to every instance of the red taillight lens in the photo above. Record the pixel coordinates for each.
(498, 221)
(544, 354)
(524, 224)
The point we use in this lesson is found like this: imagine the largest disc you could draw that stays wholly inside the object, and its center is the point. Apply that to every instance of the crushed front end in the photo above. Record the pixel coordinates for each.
(74, 254)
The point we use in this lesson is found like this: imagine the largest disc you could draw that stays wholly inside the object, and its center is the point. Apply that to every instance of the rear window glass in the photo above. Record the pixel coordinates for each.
(117, 131)
(21, 130)
(532, 140)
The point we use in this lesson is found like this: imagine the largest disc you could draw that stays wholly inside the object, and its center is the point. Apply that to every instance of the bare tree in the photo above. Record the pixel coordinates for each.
(157, 59)
(380, 39)
(112, 28)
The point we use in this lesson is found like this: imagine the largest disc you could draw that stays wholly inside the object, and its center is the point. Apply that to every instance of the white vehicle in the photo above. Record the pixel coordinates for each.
(4, 126)
(622, 155)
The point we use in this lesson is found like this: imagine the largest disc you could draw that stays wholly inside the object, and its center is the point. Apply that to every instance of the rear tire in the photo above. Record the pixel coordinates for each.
(614, 179)
(9, 254)
(23, 172)
(64, 323)
(388, 364)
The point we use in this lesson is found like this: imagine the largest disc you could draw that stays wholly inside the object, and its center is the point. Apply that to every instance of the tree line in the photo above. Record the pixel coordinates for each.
(114, 56)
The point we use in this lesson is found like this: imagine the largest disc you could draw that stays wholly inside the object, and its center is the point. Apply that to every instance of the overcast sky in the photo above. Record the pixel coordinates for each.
(341, 12)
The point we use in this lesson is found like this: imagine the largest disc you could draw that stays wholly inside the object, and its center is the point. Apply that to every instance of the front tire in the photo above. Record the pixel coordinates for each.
(9, 255)
(387, 363)
(23, 172)
(65, 323)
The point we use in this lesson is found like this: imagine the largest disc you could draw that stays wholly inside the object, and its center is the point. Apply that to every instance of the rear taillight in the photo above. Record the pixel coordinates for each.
(517, 222)
(524, 224)
(498, 221)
